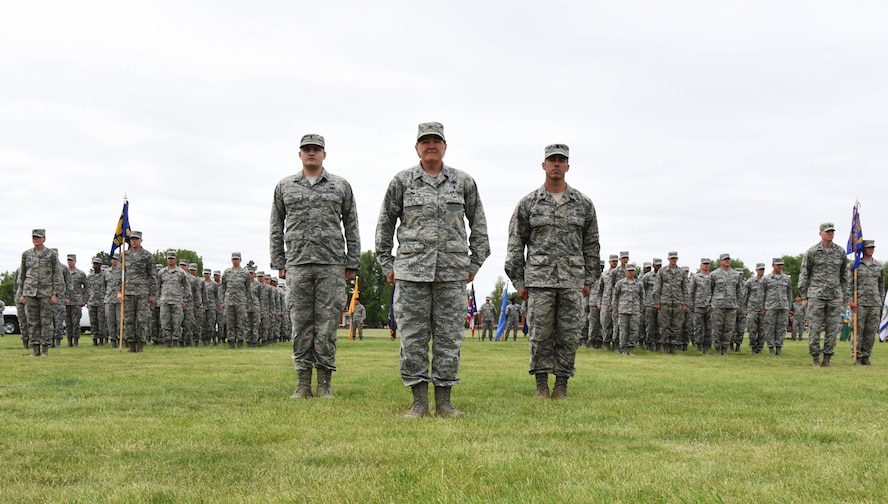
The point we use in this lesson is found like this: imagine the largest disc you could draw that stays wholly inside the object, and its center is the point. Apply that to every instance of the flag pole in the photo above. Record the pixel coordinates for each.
(122, 297)
(854, 327)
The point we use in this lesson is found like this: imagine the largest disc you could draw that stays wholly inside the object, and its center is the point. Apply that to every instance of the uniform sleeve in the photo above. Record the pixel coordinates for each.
(804, 275)
(519, 233)
(591, 246)
(389, 213)
(352, 231)
(276, 230)
(479, 243)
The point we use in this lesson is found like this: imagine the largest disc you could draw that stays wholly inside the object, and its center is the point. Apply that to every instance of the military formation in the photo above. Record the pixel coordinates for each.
(435, 213)
(168, 306)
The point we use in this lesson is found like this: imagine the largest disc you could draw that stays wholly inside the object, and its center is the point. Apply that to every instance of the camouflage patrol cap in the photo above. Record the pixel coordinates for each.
(557, 150)
(116, 256)
(869, 243)
(430, 128)
(685, 268)
(171, 254)
(777, 260)
(72, 257)
(97, 260)
(38, 233)
(207, 271)
(312, 139)
(136, 234)
(630, 267)
(624, 253)
(658, 261)
(260, 274)
(235, 255)
(183, 262)
(760, 266)
(216, 272)
(192, 266)
(672, 255)
(722, 257)
(646, 265)
(614, 257)
(705, 260)
(827, 226)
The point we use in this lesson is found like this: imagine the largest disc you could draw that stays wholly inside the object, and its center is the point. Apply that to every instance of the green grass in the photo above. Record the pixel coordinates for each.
(214, 425)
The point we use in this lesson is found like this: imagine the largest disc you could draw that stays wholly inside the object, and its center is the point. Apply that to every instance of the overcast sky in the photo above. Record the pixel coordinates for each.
(699, 126)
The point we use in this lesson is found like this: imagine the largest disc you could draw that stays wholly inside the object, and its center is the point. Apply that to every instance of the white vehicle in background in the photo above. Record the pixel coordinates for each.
(11, 321)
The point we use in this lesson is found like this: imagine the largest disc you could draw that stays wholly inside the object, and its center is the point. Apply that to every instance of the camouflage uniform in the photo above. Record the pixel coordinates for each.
(595, 338)
(58, 310)
(310, 219)
(798, 321)
(488, 321)
(615, 276)
(254, 312)
(823, 282)
(651, 323)
(726, 289)
(701, 304)
(670, 293)
(140, 286)
(75, 300)
(95, 305)
(870, 299)
(753, 303)
(433, 261)
(776, 300)
(358, 317)
(560, 239)
(188, 322)
(235, 292)
(22, 312)
(513, 316)
(199, 293)
(173, 284)
(212, 308)
(628, 304)
(740, 324)
(111, 286)
(40, 279)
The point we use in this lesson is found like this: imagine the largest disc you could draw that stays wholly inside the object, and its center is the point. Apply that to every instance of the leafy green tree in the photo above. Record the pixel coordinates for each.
(7, 281)
(792, 266)
(188, 255)
(496, 295)
(375, 293)
(103, 255)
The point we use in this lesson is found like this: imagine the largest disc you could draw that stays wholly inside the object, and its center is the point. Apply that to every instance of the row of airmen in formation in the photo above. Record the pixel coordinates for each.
(185, 310)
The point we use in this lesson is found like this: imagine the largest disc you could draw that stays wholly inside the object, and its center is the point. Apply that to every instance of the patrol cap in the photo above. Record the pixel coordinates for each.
(216, 272)
(869, 243)
(722, 257)
(624, 253)
(658, 261)
(235, 255)
(777, 260)
(97, 260)
(192, 266)
(72, 257)
(646, 265)
(207, 271)
(827, 226)
(761, 266)
(705, 260)
(136, 234)
(630, 267)
(260, 274)
(183, 262)
(312, 139)
(557, 150)
(430, 128)
(38, 233)
(614, 257)
(116, 256)
(171, 254)
(672, 255)
(685, 268)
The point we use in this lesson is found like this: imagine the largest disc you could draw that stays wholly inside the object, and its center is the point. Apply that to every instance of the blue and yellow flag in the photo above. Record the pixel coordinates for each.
(855, 241)
(122, 233)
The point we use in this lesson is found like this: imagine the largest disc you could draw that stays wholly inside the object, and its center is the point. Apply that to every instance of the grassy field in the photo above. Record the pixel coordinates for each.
(215, 425)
